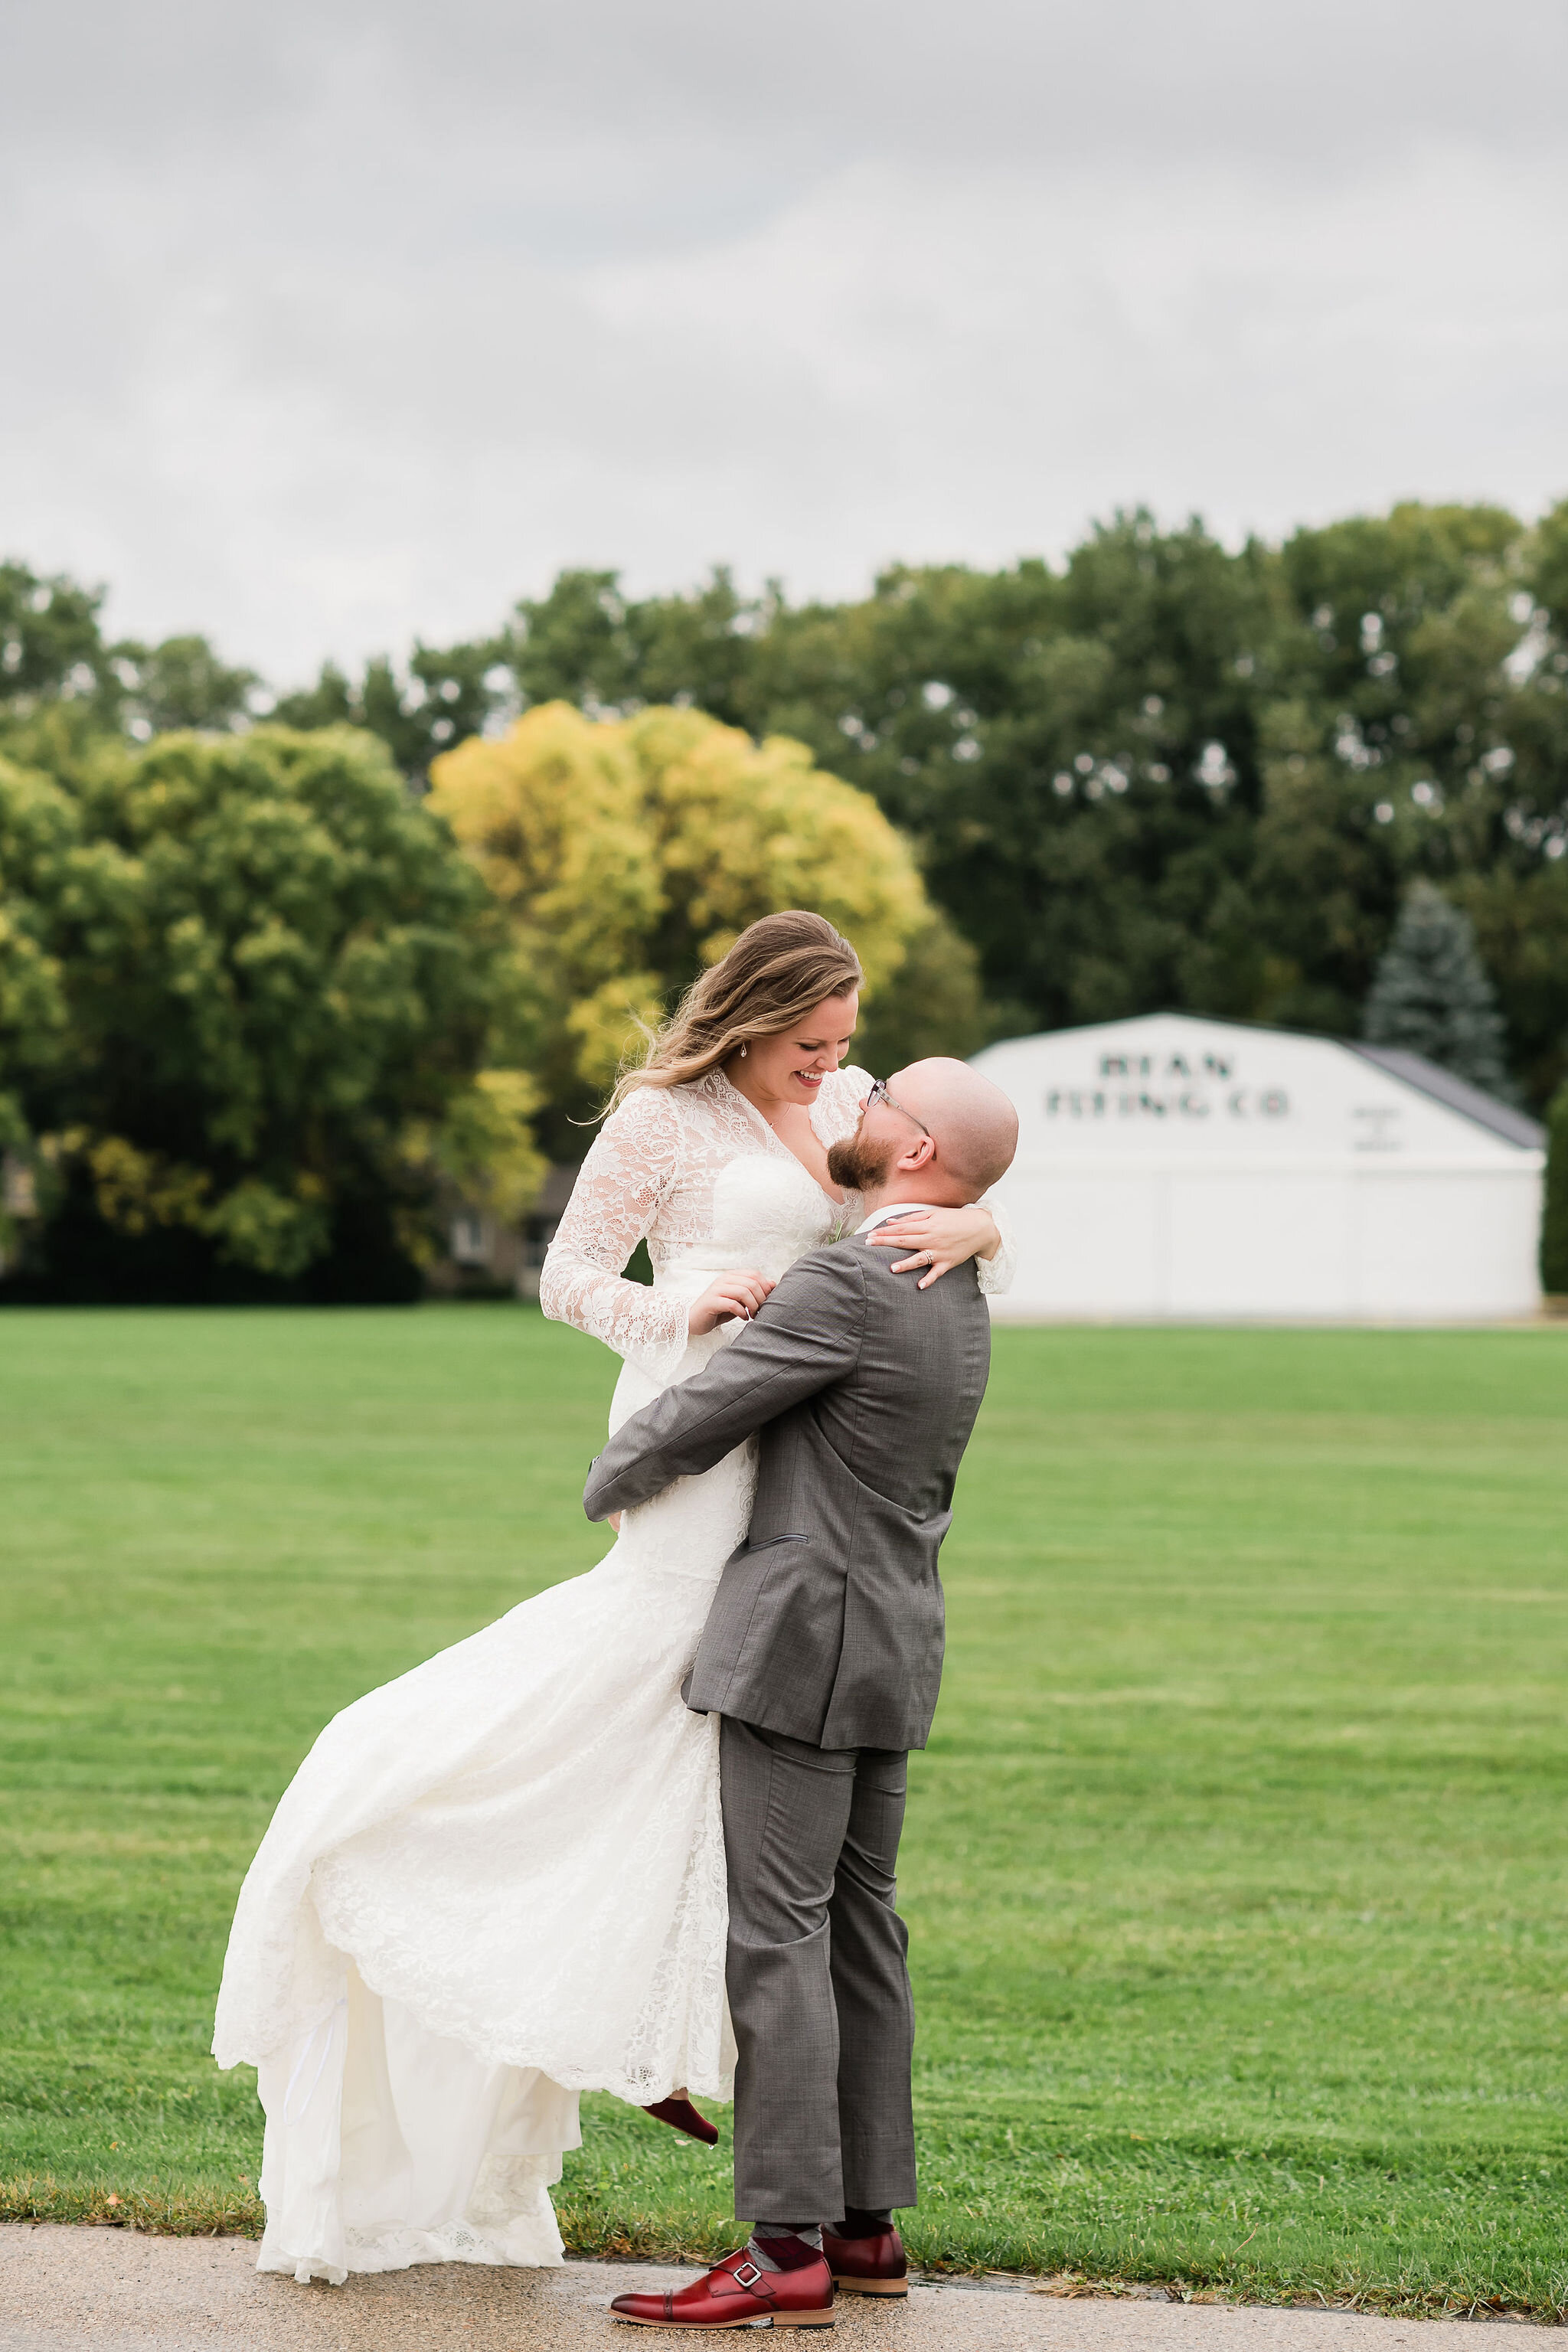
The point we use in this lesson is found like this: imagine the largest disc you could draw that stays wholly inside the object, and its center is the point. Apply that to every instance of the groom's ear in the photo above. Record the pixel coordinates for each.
(921, 1153)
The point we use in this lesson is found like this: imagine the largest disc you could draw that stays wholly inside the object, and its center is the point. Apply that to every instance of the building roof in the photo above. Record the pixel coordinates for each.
(1456, 1094)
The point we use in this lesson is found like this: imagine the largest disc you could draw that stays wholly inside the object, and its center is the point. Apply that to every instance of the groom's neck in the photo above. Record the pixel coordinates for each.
(927, 1194)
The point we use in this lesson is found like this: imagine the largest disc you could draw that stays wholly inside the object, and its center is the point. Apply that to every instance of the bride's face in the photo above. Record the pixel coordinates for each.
(790, 1069)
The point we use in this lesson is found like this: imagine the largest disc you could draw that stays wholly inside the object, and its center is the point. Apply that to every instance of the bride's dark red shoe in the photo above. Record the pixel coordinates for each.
(682, 2116)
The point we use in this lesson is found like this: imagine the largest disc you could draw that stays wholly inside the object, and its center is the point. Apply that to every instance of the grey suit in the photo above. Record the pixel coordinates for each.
(827, 1623)
(823, 1654)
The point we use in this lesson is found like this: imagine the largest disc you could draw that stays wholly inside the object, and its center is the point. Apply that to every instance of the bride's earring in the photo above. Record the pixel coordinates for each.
(742, 1053)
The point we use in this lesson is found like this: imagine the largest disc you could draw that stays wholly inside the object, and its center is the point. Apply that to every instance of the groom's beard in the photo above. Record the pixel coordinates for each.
(858, 1165)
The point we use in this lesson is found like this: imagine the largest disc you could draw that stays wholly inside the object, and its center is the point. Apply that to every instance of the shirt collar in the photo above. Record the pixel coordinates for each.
(894, 1209)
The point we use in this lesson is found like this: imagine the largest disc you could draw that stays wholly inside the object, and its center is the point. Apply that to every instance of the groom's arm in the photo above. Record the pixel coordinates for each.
(806, 1337)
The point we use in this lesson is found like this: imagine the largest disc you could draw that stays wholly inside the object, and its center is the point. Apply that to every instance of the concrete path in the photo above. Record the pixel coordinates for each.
(96, 2290)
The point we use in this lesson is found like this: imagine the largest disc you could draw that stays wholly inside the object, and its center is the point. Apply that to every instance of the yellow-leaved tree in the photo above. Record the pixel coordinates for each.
(630, 852)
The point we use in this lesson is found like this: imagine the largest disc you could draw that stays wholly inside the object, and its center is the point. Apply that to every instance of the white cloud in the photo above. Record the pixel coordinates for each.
(331, 325)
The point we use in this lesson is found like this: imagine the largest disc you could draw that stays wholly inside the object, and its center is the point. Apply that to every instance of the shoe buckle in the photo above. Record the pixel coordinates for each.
(747, 2275)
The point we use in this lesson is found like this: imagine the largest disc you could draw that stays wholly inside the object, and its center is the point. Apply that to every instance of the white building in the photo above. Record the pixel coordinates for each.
(1176, 1167)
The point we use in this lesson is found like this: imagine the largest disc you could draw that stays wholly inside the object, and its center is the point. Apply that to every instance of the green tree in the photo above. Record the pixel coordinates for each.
(54, 656)
(1522, 933)
(1432, 996)
(932, 1004)
(583, 644)
(1420, 678)
(440, 698)
(1167, 773)
(50, 642)
(1162, 773)
(34, 821)
(1513, 881)
(1554, 1216)
(280, 988)
(1073, 755)
(178, 684)
(587, 643)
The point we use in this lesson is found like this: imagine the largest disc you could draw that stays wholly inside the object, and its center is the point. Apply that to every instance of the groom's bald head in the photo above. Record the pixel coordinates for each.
(940, 1133)
(971, 1122)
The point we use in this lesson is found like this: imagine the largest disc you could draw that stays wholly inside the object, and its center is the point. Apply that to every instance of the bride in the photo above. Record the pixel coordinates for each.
(499, 1881)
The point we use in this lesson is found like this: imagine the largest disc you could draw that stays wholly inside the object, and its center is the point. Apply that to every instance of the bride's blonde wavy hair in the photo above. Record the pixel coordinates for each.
(779, 970)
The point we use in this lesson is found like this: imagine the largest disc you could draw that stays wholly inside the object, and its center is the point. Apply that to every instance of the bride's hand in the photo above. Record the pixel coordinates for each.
(938, 1240)
(728, 1298)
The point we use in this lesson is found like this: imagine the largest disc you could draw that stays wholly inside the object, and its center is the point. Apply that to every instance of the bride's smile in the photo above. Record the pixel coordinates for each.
(782, 1077)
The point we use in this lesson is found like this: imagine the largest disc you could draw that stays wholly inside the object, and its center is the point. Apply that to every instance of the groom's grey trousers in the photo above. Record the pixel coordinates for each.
(818, 1990)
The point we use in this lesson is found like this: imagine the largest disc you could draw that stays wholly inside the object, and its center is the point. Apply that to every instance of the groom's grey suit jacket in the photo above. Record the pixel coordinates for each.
(827, 1624)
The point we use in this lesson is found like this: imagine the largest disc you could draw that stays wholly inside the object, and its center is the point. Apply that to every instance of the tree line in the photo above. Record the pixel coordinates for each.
(269, 1018)
(1160, 773)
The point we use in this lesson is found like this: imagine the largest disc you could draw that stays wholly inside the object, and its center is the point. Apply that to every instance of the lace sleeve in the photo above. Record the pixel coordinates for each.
(614, 1205)
(997, 1273)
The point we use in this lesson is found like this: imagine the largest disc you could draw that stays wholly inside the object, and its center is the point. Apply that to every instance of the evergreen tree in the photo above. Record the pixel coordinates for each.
(1432, 996)
(1554, 1218)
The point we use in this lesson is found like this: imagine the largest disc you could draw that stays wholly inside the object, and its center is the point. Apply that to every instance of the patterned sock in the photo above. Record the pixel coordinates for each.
(864, 2221)
(785, 2245)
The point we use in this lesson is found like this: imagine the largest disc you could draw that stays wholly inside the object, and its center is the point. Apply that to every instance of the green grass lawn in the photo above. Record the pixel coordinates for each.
(1235, 1869)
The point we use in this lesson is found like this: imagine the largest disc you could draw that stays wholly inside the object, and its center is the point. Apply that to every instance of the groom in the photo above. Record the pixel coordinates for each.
(822, 1655)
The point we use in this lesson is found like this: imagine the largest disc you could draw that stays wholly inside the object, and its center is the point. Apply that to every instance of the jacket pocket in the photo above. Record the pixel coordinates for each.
(769, 1541)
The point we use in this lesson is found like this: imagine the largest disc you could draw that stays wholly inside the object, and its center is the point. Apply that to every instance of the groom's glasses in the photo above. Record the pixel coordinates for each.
(877, 1092)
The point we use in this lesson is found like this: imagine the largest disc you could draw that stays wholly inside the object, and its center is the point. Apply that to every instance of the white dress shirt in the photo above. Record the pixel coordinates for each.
(894, 1209)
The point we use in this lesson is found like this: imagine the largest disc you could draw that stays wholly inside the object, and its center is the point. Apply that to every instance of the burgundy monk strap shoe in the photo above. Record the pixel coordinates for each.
(876, 2265)
(738, 2294)
(683, 2117)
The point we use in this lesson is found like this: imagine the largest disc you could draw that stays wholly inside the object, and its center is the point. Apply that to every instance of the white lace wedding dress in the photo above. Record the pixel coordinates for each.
(499, 1880)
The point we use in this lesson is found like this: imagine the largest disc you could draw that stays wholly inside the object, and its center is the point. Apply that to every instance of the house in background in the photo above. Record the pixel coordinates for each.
(485, 1259)
(1173, 1168)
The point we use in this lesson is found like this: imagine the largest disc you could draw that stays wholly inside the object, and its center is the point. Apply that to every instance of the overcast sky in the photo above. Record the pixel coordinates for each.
(327, 323)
